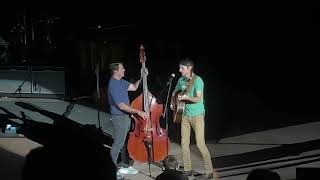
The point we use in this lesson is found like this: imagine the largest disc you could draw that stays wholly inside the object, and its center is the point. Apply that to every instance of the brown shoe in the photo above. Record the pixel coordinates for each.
(205, 176)
(187, 173)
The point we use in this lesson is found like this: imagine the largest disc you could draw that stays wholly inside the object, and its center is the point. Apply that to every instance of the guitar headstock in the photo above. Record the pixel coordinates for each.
(142, 54)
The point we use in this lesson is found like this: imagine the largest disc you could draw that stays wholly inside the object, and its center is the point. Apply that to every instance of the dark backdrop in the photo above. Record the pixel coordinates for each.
(259, 66)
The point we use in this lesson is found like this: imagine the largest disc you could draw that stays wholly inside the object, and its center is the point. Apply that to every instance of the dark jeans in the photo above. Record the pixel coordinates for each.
(124, 159)
(121, 124)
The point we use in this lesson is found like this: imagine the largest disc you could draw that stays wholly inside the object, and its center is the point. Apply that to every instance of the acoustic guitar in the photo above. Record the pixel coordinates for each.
(178, 107)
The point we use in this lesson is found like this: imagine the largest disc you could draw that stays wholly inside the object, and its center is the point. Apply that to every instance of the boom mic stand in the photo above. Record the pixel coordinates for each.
(165, 113)
(97, 73)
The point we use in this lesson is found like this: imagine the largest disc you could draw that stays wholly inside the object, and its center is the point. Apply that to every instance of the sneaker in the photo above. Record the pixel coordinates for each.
(119, 175)
(128, 170)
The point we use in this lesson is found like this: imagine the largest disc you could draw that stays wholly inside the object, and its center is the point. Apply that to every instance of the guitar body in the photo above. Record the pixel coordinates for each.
(179, 106)
(178, 109)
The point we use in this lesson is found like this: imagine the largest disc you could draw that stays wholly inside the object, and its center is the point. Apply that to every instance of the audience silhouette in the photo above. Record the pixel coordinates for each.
(171, 171)
(70, 151)
(74, 155)
(263, 174)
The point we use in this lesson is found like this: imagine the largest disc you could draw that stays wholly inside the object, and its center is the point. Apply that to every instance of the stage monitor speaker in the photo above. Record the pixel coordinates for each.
(306, 173)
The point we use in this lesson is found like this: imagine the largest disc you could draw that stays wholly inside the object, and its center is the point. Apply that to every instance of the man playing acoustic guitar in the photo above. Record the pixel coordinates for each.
(191, 86)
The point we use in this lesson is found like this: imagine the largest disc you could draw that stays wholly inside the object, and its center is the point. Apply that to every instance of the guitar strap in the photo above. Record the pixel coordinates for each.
(191, 83)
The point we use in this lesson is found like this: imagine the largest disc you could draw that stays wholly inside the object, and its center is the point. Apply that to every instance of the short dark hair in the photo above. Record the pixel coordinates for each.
(114, 66)
(186, 62)
(170, 162)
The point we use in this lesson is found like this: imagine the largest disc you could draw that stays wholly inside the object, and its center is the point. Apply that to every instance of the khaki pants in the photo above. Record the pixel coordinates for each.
(197, 124)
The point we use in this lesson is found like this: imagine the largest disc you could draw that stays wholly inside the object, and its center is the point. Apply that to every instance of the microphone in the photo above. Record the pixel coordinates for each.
(171, 78)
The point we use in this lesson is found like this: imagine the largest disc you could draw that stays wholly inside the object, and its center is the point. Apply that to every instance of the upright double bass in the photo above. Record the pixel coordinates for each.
(148, 142)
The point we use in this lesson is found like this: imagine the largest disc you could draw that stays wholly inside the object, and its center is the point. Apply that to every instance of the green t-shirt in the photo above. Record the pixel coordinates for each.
(192, 109)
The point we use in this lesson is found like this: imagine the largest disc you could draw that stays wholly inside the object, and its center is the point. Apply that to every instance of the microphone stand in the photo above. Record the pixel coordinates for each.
(165, 113)
(19, 89)
(97, 73)
(20, 86)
